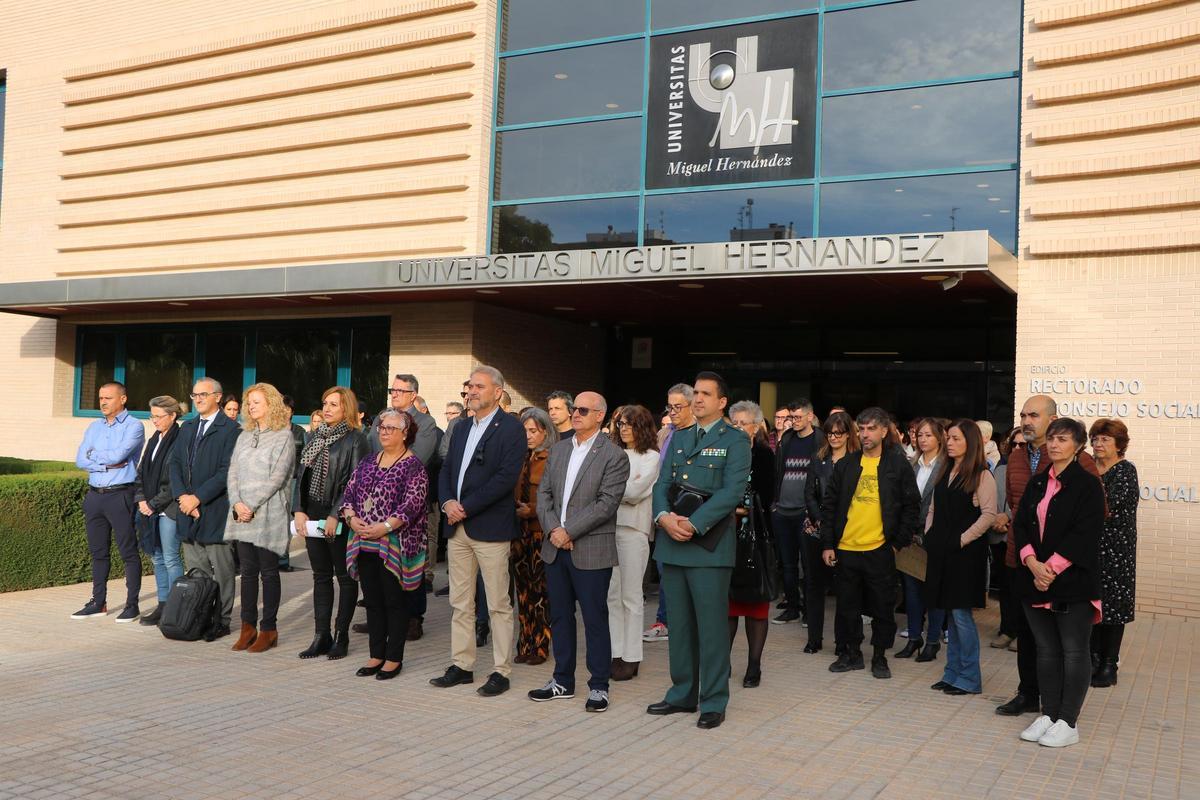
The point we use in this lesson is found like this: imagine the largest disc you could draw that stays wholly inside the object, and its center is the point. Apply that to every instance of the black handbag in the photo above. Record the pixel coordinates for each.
(685, 500)
(754, 578)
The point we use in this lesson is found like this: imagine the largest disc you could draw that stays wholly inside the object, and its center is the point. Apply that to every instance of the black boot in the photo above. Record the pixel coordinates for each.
(319, 647)
(481, 633)
(1106, 675)
(850, 659)
(929, 652)
(910, 649)
(340, 646)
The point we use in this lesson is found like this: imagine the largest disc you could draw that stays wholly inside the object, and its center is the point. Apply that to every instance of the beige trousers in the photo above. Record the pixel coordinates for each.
(467, 557)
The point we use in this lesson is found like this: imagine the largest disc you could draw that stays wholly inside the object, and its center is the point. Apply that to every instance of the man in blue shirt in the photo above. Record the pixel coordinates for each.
(109, 454)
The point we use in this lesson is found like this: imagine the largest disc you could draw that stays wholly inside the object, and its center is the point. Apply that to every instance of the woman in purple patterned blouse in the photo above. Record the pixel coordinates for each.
(384, 504)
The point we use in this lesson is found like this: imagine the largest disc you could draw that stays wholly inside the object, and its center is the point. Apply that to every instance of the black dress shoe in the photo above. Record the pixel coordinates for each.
(910, 649)
(442, 592)
(340, 647)
(710, 719)
(664, 708)
(940, 686)
(1021, 704)
(366, 672)
(388, 674)
(217, 633)
(496, 684)
(813, 647)
(955, 691)
(453, 677)
(319, 647)
(153, 617)
(752, 679)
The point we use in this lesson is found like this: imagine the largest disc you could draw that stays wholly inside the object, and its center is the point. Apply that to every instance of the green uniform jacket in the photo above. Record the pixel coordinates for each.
(719, 464)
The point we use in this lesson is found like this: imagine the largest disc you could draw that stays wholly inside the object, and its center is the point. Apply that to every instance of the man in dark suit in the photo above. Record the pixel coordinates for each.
(199, 466)
(697, 551)
(475, 487)
(577, 506)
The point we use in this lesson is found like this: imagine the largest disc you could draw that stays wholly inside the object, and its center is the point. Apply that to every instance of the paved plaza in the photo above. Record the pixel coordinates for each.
(100, 710)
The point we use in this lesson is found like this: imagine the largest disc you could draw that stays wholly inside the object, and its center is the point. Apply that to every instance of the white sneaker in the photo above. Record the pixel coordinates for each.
(1038, 729)
(655, 633)
(1060, 735)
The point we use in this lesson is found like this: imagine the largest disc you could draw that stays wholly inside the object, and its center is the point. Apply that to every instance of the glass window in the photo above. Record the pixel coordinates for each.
(97, 364)
(961, 125)
(585, 158)
(566, 226)
(225, 359)
(737, 215)
(921, 40)
(533, 23)
(299, 360)
(369, 379)
(674, 13)
(580, 82)
(156, 363)
(978, 201)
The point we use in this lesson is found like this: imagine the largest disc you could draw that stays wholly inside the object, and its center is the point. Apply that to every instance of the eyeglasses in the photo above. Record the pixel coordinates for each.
(623, 424)
(782, 417)
(389, 428)
(202, 395)
(581, 411)
(832, 434)
(402, 391)
(157, 417)
(675, 409)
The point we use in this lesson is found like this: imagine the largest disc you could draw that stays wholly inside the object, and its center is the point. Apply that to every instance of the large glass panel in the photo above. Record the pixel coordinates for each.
(369, 348)
(739, 215)
(225, 359)
(532, 23)
(585, 158)
(97, 364)
(921, 40)
(673, 13)
(961, 125)
(157, 363)
(566, 226)
(298, 360)
(580, 82)
(978, 201)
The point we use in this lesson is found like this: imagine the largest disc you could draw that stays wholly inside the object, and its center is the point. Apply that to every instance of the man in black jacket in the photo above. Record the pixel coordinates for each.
(871, 510)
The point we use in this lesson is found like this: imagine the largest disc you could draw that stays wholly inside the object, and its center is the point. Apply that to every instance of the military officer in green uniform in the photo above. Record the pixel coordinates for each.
(711, 457)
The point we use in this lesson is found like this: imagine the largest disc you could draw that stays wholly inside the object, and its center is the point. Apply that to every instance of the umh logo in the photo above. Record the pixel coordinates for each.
(733, 104)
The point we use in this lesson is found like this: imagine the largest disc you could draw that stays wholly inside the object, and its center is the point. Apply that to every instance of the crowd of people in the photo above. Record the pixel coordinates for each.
(566, 506)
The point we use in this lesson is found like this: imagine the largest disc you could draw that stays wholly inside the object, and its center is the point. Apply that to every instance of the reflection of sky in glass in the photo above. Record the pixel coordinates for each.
(580, 82)
(585, 158)
(979, 201)
(670, 13)
(531, 23)
(709, 216)
(571, 222)
(961, 125)
(922, 40)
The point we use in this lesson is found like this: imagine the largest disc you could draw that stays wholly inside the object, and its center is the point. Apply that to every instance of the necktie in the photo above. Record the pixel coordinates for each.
(699, 434)
(199, 436)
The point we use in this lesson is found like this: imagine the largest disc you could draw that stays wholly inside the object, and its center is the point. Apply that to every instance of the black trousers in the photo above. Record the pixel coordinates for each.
(387, 608)
(817, 580)
(107, 516)
(253, 563)
(789, 533)
(327, 557)
(566, 585)
(867, 585)
(1064, 658)
(1027, 651)
(1010, 604)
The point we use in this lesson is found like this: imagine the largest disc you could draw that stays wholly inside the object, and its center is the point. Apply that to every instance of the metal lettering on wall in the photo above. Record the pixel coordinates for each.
(827, 254)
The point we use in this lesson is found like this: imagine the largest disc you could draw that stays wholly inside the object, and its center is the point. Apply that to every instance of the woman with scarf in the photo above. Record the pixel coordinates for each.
(533, 638)
(156, 507)
(326, 464)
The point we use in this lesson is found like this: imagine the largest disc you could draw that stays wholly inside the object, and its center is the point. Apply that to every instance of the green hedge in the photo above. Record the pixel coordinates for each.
(42, 539)
(19, 466)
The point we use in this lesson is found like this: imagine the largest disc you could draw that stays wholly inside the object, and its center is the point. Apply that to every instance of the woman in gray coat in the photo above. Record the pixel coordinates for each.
(260, 474)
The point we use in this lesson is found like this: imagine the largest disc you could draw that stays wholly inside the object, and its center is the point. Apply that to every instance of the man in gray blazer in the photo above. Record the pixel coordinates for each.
(577, 506)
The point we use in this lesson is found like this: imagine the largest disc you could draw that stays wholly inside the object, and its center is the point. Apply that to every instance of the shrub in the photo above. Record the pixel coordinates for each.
(19, 466)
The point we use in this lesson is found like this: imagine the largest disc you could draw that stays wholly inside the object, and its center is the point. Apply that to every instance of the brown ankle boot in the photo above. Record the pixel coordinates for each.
(265, 641)
(246, 638)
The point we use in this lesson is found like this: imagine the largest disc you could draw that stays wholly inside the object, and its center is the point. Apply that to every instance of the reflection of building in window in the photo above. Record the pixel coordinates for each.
(615, 237)
(774, 230)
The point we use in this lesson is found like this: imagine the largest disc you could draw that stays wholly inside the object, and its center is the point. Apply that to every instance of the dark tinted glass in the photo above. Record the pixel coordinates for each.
(919, 41)
(566, 226)
(97, 364)
(673, 13)
(532, 23)
(369, 379)
(979, 201)
(580, 82)
(961, 125)
(737, 215)
(157, 363)
(225, 358)
(300, 361)
(586, 158)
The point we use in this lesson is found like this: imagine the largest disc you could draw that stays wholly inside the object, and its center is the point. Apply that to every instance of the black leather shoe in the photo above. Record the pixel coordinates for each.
(954, 691)
(910, 649)
(453, 677)
(664, 708)
(217, 633)
(360, 627)
(387, 675)
(1019, 705)
(813, 647)
(848, 661)
(496, 684)
(341, 646)
(481, 633)
(1106, 674)
(366, 672)
(319, 647)
(929, 652)
(879, 667)
(710, 719)
(753, 678)
(442, 592)
(940, 686)
(153, 617)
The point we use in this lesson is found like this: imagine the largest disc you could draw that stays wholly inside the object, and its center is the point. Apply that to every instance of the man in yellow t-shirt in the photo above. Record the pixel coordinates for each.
(874, 512)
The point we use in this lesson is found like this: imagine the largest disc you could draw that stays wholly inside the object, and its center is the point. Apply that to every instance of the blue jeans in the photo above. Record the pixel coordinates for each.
(167, 563)
(962, 653)
(914, 607)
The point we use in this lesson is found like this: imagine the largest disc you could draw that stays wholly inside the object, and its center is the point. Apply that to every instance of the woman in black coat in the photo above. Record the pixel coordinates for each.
(156, 505)
(1057, 530)
(961, 512)
(324, 469)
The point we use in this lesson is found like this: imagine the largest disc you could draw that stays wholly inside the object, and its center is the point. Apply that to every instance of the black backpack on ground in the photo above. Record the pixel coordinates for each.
(192, 609)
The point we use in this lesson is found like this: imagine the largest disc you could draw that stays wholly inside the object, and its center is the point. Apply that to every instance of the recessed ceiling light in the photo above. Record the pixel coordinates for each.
(993, 199)
(564, 308)
(982, 185)
(487, 291)
(560, 76)
(916, 106)
(176, 303)
(897, 191)
(691, 286)
(934, 278)
(1006, 211)
(612, 105)
(750, 305)
(927, 215)
(319, 297)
